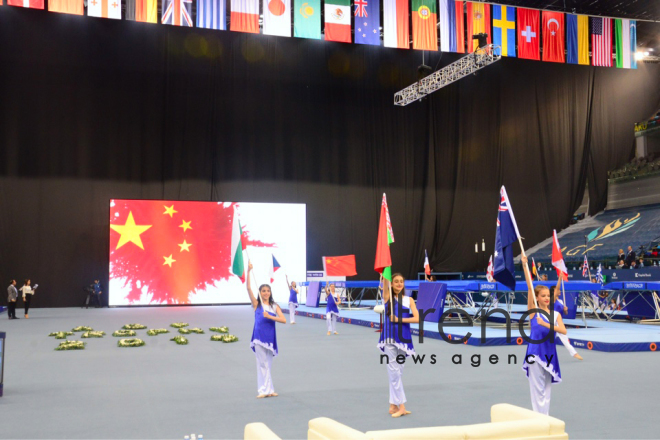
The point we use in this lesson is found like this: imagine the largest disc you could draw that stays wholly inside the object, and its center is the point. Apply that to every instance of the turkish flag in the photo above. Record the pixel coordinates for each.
(528, 34)
(35, 4)
(553, 37)
(342, 266)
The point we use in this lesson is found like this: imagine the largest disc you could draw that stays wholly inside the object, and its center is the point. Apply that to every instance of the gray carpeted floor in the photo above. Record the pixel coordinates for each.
(163, 390)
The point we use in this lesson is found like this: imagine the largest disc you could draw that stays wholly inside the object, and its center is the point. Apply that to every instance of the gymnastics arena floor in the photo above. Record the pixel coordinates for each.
(165, 391)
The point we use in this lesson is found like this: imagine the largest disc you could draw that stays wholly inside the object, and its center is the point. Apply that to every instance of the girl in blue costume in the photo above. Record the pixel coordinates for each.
(264, 338)
(541, 363)
(293, 300)
(331, 310)
(395, 328)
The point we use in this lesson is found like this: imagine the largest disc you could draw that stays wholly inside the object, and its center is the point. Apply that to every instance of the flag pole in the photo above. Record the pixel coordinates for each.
(563, 292)
(253, 277)
(586, 251)
(380, 288)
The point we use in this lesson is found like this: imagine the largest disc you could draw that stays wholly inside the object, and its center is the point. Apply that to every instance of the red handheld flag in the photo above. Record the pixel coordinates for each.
(342, 266)
(557, 258)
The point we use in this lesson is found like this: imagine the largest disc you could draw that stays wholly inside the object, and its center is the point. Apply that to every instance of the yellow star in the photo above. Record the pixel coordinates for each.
(185, 225)
(185, 246)
(170, 210)
(130, 232)
(169, 260)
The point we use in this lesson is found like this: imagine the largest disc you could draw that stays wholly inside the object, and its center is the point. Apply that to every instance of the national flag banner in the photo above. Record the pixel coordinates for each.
(427, 266)
(367, 22)
(504, 29)
(341, 266)
(599, 274)
(383, 263)
(212, 14)
(142, 10)
(74, 7)
(585, 267)
(35, 4)
(535, 273)
(244, 16)
(425, 25)
(622, 38)
(505, 235)
(558, 259)
(338, 20)
(104, 8)
(396, 31)
(478, 22)
(177, 12)
(553, 37)
(489, 271)
(577, 39)
(633, 44)
(452, 26)
(307, 19)
(601, 41)
(529, 34)
(273, 268)
(237, 248)
(277, 17)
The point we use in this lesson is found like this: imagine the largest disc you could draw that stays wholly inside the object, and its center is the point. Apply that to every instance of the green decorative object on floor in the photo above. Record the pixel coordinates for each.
(82, 328)
(61, 335)
(135, 342)
(70, 345)
(180, 340)
(134, 327)
(197, 330)
(222, 329)
(184, 331)
(224, 338)
(123, 333)
(179, 324)
(96, 334)
(157, 331)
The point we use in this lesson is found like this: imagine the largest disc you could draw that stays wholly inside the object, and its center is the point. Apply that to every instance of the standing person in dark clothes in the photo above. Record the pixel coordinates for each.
(12, 296)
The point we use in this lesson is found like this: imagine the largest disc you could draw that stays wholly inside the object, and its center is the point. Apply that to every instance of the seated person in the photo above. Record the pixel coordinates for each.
(621, 259)
(640, 262)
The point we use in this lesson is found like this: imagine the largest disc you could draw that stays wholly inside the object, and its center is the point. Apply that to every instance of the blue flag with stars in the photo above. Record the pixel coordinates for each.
(367, 22)
(505, 236)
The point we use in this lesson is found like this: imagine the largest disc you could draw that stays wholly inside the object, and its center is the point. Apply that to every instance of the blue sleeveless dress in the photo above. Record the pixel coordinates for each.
(331, 308)
(293, 296)
(540, 351)
(390, 333)
(559, 307)
(264, 329)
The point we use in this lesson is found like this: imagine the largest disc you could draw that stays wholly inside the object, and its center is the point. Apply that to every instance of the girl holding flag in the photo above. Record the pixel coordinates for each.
(331, 310)
(264, 338)
(541, 363)
(293, 299)
(396, 331)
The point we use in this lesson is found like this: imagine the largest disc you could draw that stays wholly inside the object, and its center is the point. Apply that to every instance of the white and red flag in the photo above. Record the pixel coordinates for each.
(244, 16)
(427, 266)
(489, 271)
(557, 258)
(104, 8)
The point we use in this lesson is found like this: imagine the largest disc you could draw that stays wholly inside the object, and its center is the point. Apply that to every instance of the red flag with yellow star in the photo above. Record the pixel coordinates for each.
(164, 251)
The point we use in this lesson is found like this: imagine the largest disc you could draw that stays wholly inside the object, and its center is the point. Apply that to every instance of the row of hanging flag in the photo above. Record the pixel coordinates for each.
(520, 32)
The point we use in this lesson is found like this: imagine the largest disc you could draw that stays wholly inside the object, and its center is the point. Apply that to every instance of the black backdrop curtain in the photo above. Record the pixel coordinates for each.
(94, 109)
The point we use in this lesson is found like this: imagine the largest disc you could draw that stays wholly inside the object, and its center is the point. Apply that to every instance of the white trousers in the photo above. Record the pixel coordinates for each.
(564, 340)
(331, 320)
(395, 374)
(264, 362)
(292, 312)
(540, 386)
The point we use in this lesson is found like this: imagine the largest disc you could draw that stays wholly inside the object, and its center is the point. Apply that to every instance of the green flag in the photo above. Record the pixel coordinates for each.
(307, 19)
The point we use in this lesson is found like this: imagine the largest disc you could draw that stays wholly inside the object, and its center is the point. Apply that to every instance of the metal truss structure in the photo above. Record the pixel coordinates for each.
(465, 66)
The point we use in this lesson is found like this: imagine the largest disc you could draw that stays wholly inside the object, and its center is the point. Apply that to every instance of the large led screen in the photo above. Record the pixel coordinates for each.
(170, 252)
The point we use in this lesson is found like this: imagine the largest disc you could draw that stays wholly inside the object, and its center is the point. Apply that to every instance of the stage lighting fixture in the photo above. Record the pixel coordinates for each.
(482, 39)
(465, 66)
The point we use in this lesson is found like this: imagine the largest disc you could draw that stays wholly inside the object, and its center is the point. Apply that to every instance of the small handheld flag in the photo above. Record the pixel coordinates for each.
(273, 268)
(237, 248)
(342, 266)
(585, 267)
(535, 273)
(427, 266)
(557, 258)
(489, 270)
(599, 274)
